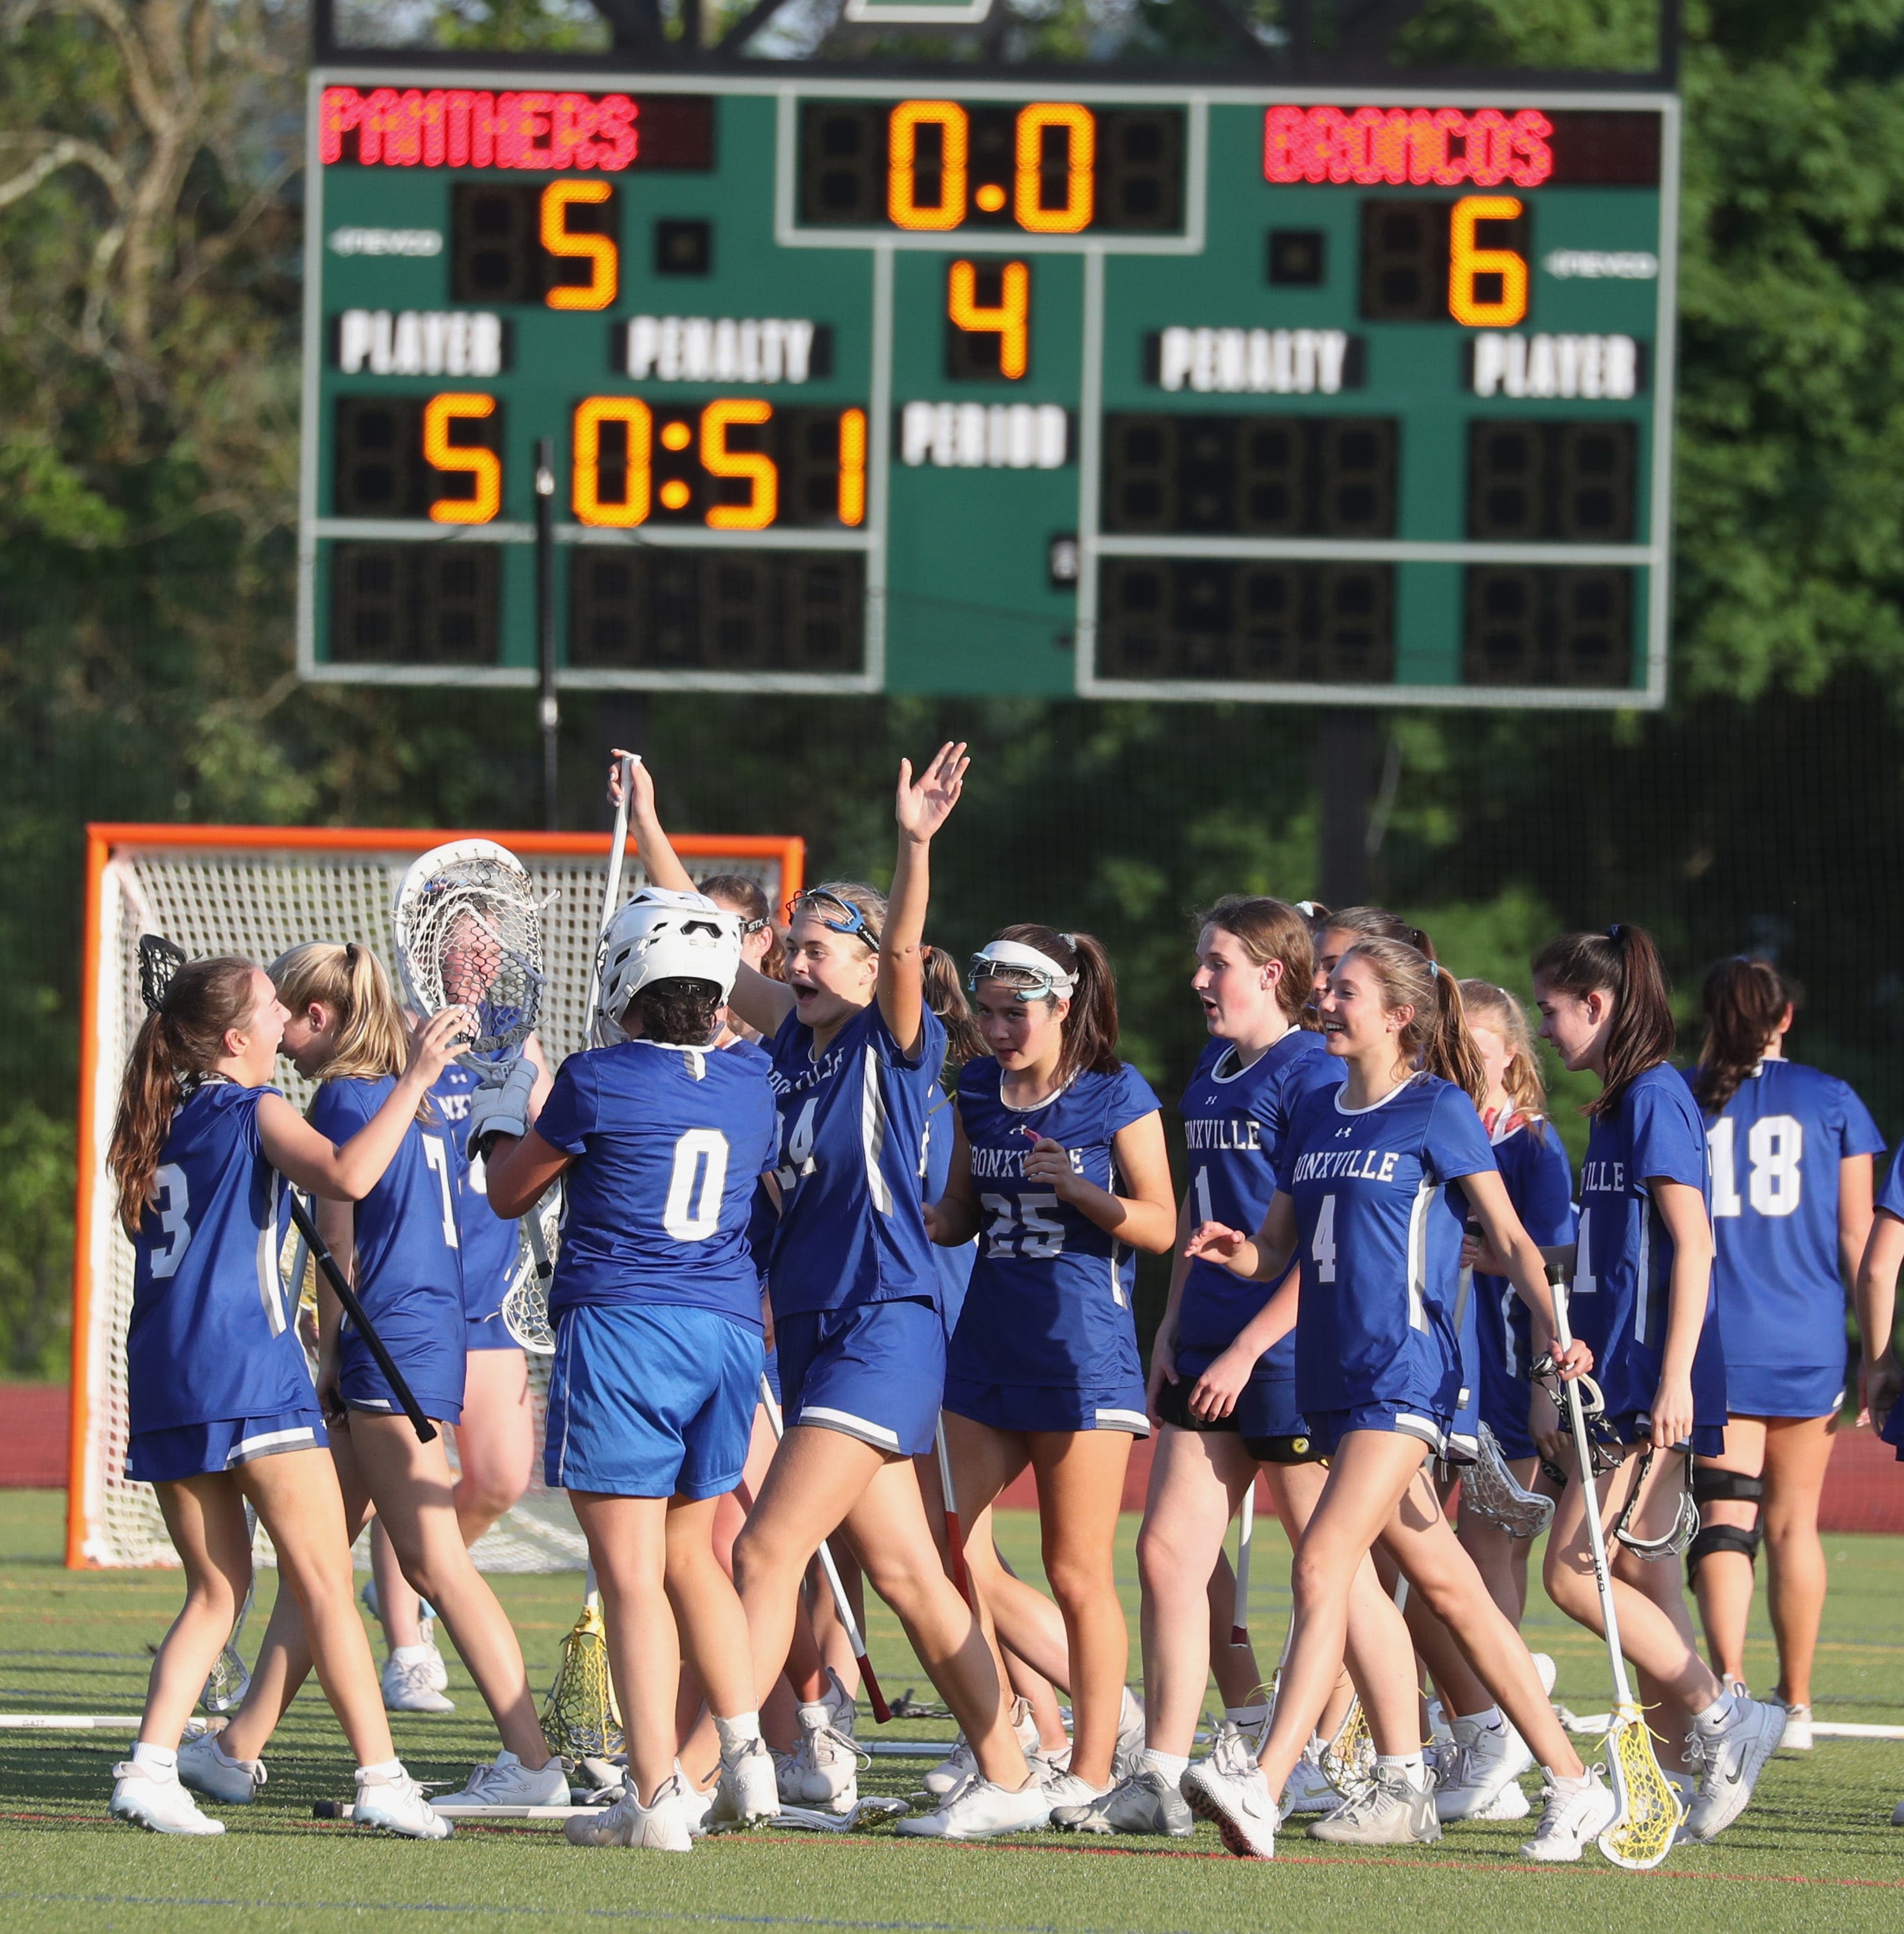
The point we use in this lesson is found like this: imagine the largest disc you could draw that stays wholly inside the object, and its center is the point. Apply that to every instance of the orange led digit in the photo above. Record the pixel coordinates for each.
(852, 468)
(718, 460)
(1080, 127)
(1466, 262)
(584, 483)
(599, 250)
(1009, 320)
(482, 467)
(902, 163)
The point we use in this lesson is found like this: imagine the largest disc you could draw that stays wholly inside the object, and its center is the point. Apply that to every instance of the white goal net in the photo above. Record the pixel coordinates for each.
(254, 891)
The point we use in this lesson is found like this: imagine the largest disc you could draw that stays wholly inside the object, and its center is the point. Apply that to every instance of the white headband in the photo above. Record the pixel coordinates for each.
(1027, 960)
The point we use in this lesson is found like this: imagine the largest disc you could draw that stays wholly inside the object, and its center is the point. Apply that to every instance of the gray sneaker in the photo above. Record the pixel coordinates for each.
(1129, 1749)
(1145, 1803)
(1731, 1758)
(1391, 1812)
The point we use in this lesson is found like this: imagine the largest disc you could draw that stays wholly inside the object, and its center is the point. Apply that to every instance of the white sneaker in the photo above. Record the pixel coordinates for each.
(1228, 1790)
(156, 1801)
(1511, 1803)
(661, 1827)
(1487, 1759)
(979, 1811)
(1733, 1756)
(1798, 1735)
(697, 1808)
(505, 1781)
(962, 1763)
(1308, 1789)
(823, 1770)
(413, 1679)
(1146, 1803)
(845, 1708)
(1070, 1789)
(439, 1673)
(202, 1768)
(746, 1791)
(1391, 1811)
(397, 1806)
(1127, 1755)
(1548, 1671)
(1573, 1814)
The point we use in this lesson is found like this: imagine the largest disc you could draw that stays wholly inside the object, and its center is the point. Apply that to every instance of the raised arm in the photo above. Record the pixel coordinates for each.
(921, 807)
(315, 1163)
(760, 1002)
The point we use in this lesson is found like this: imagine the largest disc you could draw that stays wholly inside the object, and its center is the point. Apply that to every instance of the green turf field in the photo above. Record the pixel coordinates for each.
(1815, 1852)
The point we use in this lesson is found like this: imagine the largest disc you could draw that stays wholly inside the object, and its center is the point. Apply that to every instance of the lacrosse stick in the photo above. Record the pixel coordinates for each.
(525, 1307)
(955, 1537)
(1489, 1487)
(1245, 1536)
(327, 1264)
(580, 1719)
(855, 1637)
(611, 888)
(1641, 1833)
(230, 1678)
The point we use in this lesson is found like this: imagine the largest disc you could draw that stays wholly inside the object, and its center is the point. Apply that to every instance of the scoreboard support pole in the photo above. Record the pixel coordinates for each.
(1348, 751)
(549, 706)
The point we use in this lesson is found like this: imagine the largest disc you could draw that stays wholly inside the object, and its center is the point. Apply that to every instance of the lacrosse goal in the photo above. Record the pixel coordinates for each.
(255, 891)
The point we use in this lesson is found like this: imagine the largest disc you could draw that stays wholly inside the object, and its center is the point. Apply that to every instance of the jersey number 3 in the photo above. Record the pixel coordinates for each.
(169, 1200)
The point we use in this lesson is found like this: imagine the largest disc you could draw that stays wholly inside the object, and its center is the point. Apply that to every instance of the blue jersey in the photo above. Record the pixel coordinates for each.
(670, 1144)
(852, 1228)
(1540, 1184)
(1890, 1196)
(954, 1264)
(409, 1247)
(1624, 1269)
(1234, 1122)
(1049, 1302)
(1777, 1146)
(489, 1243)
(212, 1335)
(1380, 1221)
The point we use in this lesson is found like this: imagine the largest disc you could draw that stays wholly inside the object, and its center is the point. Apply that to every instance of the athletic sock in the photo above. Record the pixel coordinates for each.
(1718, 1715)
(1411, 1767)
(385, 1769)
(1247, 1716)
(813, 1714)
(1170, 1767)
(736, 1732)
(1572, 1783)
(163, 1760)
(1488, 1718)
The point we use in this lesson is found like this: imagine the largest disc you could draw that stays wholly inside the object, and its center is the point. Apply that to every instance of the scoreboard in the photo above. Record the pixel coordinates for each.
(861, 385)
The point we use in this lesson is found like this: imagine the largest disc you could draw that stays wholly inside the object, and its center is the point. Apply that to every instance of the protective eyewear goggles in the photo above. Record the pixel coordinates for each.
(836, 915)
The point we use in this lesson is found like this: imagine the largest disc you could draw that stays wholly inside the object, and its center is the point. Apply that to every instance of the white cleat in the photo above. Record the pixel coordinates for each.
(961, 1765)
(1127, 1755)
(980, 1811)
(1228, 1790)
(1487, 1760)
(1511, 1803)
(397, 1806)
(1308, 1789)
(1733, 1755)
(505, 1781)
(231, 1782)
(823, 1770)
(156, 1801)
(1070, 1789)
(1548, 1671)
(697, 1808)
(846, 1707)
(745, 1791)
(413, 1680)
(958, 1767)
(662, 1826)
(1573, 1814)
(1798, 1735)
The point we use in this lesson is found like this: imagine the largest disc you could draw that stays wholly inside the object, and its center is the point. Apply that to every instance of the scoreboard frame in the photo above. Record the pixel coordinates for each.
(1650, 550)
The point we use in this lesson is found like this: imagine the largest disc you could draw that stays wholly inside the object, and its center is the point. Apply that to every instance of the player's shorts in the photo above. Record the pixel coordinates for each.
(488, 1333)
(773, 1374)
(1034, 1407)
(1504, 1402)
(875, 1371)
(1635, 1426)
(1331, 1426)
(432, 1366)
(1272, 1429)
(1463, 1444)
(650, 1401)
(1893, 1432)
(190, 1449)
(1762, 1389)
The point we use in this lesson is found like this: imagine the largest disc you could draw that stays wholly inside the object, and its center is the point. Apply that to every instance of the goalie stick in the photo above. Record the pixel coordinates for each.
(1245, 1536)
(955, 1536)
(1641, 1833)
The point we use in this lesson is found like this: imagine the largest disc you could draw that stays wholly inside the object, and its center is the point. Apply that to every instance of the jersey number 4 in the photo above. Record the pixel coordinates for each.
(1774, 1146)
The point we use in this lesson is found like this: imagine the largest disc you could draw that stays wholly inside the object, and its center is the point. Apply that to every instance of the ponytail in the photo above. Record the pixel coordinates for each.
(177, 1043)
(1624, 962)
(1436, 1039)
(1090, 1038)
(348, 979)
(1745, 1000)
(947, 999)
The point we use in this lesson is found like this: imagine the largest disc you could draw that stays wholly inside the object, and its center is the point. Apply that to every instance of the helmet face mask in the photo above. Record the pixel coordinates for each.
(662, 934)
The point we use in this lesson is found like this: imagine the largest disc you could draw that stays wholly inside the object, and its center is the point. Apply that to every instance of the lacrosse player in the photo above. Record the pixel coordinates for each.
(404, 1246)
(222, 1410)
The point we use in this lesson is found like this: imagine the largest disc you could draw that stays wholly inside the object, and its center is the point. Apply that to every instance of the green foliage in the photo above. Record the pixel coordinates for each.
(36, 1244)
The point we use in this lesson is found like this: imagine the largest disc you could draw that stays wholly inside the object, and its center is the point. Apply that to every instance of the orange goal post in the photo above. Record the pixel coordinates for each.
(255, 891)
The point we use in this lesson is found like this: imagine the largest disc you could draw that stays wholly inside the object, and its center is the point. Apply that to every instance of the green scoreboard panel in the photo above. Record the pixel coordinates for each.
(857, 385)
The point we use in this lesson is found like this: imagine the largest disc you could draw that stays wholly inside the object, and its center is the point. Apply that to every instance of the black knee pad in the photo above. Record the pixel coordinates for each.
(1711, 1537)
(1711, 1486)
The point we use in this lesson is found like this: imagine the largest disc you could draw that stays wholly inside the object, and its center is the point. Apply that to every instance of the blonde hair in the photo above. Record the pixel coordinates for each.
(1436, 1038)
(867, 901)
(1495, 1006)
(349, 979)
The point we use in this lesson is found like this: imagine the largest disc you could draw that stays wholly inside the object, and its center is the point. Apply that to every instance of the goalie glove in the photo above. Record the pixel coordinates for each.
(500, 1107)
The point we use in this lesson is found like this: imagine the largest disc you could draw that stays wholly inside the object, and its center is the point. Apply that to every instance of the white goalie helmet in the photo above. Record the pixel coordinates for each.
(662, 934)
